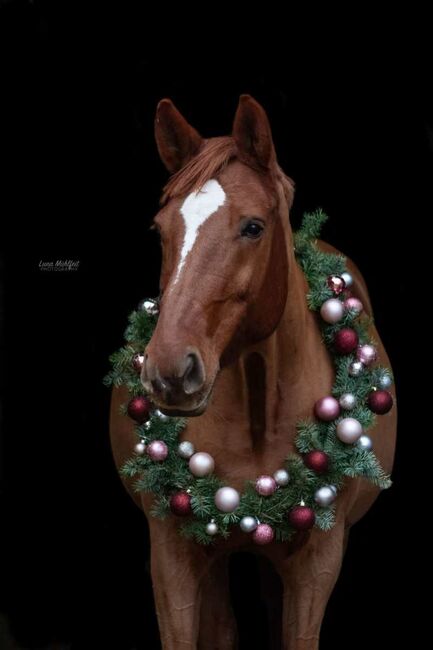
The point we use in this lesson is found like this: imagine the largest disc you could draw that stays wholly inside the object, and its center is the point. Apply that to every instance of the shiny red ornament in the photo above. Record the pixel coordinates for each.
(137, 362)
(345, 341)
(380, 401)
(139, 409)
(180, 504)
(336, 283)
(302, 517)
(317, 460)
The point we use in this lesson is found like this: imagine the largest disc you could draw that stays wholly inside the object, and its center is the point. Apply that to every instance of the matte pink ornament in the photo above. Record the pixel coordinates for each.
(327, 409)
(263, 534)
(353, 304)
(367, 354)
(266, 485)
(157, 450)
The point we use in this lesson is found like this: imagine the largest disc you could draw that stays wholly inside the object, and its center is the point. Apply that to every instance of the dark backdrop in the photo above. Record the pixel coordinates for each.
(352, 126)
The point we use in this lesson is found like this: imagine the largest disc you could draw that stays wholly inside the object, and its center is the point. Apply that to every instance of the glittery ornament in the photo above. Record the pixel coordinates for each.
(317, 461)
(302, 517)
(367, 354)
(281, 477)
(266, 485)
(356, 368)
(384, 381)
(263, 534)
(353, 304)
(180, 504)
(345, 341)
(185, 449)
(157, 450)
(348, 401)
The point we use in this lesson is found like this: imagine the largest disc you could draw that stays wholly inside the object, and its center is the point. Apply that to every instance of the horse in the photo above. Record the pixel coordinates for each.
(238, 352)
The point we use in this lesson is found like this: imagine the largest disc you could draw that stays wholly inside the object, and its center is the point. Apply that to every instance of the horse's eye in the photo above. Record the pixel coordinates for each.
(252, 229)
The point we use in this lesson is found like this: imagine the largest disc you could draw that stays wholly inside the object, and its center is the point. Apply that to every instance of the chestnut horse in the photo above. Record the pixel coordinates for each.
(236, 344)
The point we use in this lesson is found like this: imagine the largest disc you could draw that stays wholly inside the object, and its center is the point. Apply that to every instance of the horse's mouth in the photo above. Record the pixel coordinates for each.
(177, 411)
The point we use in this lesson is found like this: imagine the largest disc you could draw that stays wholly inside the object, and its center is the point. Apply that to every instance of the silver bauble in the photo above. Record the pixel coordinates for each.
(324, 496)
(281, 477)
(211, 528)
(149, 305)
(185, 449)
(227, 499)
(349, 430)
(356, 368)
(161, 416)
(348, 401)
(348, 280)
(365, 443)
(201, 464)
(140, 448)
(248, 524)
(385, 381)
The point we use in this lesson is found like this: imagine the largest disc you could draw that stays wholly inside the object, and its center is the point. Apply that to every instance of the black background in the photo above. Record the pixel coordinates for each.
(351, 118)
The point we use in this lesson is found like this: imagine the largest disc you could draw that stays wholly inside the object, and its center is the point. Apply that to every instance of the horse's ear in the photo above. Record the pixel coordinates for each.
(252, 134)
(176, 140)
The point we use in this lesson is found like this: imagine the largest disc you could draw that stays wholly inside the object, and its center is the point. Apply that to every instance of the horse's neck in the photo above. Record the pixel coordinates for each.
(250, 424)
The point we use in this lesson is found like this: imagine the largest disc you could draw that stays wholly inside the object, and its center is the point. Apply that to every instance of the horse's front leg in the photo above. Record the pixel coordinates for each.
(177, 567)
(309, 576)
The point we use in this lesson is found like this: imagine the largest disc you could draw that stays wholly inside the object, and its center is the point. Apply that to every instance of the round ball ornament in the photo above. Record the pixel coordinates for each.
(380, 401)
(263, 534)
(211, 528)
(336, 283)
(180, 504)
(356, 368)
(227, 499)
(317, 461)
(353, 304)
(385, 380)
(365, 443)
(332, 311)
(248, 524)
(345, 341)
(140, 448)
(302, 517)
(327, 409)
(366, 354)
(348, 401)
(265, 486)
(349, 430)
(139, 409)
(201, 464)
(137, 362)
(161, 416)
(150, 306)
(157, 450)
(185, 449)
(348, 280)
(324, 496)
(281, 477)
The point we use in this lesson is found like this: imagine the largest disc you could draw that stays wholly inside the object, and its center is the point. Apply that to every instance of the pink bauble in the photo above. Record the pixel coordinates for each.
(332, 310)
(157, 450)
(349, 430)
(353, 304)
(201, 464)
(367, 354)
(336, 283)
(266, 485)
(263, 534)
(327, 409)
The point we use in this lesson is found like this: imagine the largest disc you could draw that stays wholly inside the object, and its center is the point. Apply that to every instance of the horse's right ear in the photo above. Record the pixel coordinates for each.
(176, 140)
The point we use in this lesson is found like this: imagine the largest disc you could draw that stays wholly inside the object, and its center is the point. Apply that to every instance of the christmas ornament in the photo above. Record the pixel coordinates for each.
(140, 448)
(281, 477)
(139, 409)
(353, 304)
(201, 464)
(180, 504)
(365, 443)
(185, 449)
(248, 524)
(380, 401)
(366, 354)
(317, 460)
(324, 496)
(349, 430)
(356, 368)
(385, 380)
(332, 310)
(302, 517)
(327, 409)
(150, 306)
(212, 528)
(266, 485)
(348, 280)
(137, 362)
(345, 341)
(157, 450)
(348, 401)
(227, 499)
(263, 534)
(336, 283)
(161, 416)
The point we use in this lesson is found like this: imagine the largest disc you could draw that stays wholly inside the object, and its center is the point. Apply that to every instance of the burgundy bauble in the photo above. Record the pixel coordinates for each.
(180, 504)
(380, 401)
(137, 362)
(327, 409)
(317, 460)
(139, 409)
(302, 517)
(336, 283)
(345, 341)
(263, 534)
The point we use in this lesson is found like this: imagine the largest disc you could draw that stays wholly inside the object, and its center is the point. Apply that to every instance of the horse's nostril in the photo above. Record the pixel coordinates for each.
(158, 385)
(194, 375)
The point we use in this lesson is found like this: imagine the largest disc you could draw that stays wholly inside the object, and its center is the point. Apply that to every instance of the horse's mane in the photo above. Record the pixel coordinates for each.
(208, 163)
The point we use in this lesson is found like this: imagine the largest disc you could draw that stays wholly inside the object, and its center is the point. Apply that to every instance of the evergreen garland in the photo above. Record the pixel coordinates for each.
(346, 460)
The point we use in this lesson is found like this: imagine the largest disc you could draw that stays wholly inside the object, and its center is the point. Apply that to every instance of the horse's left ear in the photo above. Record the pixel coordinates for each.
(252, 134)
(176, 140)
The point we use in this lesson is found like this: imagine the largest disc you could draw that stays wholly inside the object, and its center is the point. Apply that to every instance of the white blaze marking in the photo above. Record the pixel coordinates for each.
(197, 207)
